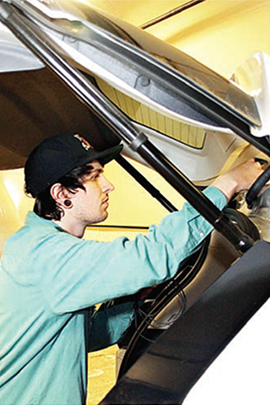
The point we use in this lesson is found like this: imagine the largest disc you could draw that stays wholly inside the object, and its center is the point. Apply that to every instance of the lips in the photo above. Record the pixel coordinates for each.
(106, 202)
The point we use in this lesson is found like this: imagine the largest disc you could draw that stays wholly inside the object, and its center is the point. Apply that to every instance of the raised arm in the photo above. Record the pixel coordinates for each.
(239, 178)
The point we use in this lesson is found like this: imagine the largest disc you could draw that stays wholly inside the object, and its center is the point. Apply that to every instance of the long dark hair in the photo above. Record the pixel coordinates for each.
(45, 205)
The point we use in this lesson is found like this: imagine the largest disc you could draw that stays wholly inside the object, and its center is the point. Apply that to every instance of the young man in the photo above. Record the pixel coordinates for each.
(51, 279)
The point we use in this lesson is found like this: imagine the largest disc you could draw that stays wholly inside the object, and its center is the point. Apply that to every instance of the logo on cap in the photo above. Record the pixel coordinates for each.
(86, 145)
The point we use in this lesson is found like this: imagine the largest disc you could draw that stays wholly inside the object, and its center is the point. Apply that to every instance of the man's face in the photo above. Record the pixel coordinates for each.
(91, 204)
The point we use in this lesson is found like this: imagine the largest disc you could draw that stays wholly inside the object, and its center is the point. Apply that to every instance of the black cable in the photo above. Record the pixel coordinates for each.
(171, 13)
(173, 287)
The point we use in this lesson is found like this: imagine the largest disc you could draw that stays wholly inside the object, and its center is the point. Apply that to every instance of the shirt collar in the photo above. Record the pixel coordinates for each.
(32, 219)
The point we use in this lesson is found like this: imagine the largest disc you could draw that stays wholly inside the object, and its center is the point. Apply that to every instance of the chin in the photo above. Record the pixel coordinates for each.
(101, 218)
(105, 216)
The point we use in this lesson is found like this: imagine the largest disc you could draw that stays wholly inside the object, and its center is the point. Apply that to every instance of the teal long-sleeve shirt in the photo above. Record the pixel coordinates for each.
(50, 282)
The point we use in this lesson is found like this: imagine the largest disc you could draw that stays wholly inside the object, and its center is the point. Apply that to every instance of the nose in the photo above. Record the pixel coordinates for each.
(105, 185)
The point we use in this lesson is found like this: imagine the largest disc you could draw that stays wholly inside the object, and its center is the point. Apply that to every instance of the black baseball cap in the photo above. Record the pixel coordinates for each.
(57, 156)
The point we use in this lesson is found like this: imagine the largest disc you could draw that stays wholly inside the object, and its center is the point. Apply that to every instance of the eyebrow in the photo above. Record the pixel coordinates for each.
(96, 170)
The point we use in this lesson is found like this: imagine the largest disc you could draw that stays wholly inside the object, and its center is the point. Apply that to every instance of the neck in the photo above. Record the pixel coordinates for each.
(71, 227)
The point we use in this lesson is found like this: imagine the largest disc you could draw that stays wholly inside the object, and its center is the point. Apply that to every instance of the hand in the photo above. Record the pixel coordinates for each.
(239, 178)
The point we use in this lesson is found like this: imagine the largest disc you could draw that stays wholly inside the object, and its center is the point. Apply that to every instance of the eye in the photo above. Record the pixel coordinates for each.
(95, 176)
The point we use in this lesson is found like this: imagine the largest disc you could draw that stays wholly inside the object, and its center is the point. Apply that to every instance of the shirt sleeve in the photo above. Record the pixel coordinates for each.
(78, 274)
(108, 324)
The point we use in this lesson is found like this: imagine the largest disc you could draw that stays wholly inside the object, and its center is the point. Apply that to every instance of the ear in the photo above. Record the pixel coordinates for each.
(59, 193)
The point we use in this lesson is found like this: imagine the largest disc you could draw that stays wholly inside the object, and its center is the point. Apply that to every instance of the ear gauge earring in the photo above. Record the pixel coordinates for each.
(68, 203)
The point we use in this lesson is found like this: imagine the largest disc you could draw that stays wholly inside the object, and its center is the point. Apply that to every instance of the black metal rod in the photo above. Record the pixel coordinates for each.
(46, 50)
(145, 184)
(171, 13)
